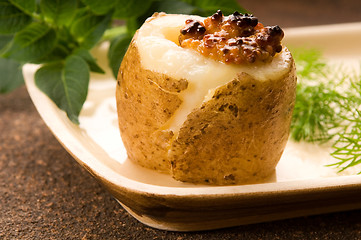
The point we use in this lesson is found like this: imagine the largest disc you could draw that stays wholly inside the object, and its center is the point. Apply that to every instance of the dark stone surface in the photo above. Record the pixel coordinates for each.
(45, 194)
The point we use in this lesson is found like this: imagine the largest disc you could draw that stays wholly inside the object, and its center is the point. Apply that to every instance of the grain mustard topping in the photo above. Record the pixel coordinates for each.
(237, 38)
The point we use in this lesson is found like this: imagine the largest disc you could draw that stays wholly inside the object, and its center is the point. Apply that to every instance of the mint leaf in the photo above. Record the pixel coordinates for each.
(90, 60)
(11, 18)
(27, 6)
(59, 12)
(174, 6)
(63, 48)
(11, 75)
(89, 29)
(208, 7)
(131, 8)
(117, 49)
(4, 40)
(100, 7)
(66, 84)
(133, 24)
(32, 43)
(114, 32)
(58, 53)
(81, 12)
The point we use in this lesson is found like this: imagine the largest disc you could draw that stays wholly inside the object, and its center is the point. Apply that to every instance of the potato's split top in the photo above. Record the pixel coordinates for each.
(159, 49)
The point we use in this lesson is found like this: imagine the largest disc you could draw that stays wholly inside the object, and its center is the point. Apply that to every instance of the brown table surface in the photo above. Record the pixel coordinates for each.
(45, 194)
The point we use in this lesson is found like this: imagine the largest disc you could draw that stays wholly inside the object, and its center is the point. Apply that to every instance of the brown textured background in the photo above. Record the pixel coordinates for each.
(45, 194)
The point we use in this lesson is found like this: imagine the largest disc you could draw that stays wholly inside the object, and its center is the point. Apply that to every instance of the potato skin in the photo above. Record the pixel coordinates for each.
(145, 102)
(237, 137)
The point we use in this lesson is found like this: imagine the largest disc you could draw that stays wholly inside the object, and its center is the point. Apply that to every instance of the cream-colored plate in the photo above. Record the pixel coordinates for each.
(301, 186)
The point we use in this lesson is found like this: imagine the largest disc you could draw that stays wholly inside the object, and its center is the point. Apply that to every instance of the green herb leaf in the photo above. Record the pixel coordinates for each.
(11, 75)
(131, 9)
(5, 40)
(81, 12)
(32, 43)
(27, 6)
(117, 49)
(66, 84)
(174, 6)
(100, 7)
(208, 7)
(315, 112)
(89, 29)
(90, 60)
(114, 32)
(12, 19)
(58, 53)
(347, 148)
(133, 25)
(309, 63)
(58, 12)
(328, 107)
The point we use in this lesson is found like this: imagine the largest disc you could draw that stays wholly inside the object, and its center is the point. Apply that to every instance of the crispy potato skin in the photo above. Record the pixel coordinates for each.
(237, 137)
(145, 101)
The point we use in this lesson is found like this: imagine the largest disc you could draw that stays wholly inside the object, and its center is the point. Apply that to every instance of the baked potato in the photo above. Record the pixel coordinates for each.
(201, 117)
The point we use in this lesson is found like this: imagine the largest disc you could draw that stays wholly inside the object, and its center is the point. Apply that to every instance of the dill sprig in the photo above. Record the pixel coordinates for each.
(347, 148)
(317, 104)
(327, 107)
(315, 113)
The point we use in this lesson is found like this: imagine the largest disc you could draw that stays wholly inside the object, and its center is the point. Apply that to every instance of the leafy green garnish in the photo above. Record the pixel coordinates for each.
(347, 148)
(12, 18)
(314, 113)
(328, 107)
(12, 70)
(58, 12)
(117, 49)
(64, 83)
(60, 34)
(32, 43)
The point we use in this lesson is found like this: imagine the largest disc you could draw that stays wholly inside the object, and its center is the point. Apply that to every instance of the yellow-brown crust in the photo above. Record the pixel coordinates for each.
(236, 137)
(239, 135)
(145, 102)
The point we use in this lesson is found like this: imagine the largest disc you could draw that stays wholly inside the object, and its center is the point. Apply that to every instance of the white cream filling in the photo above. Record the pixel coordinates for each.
(157, 42)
